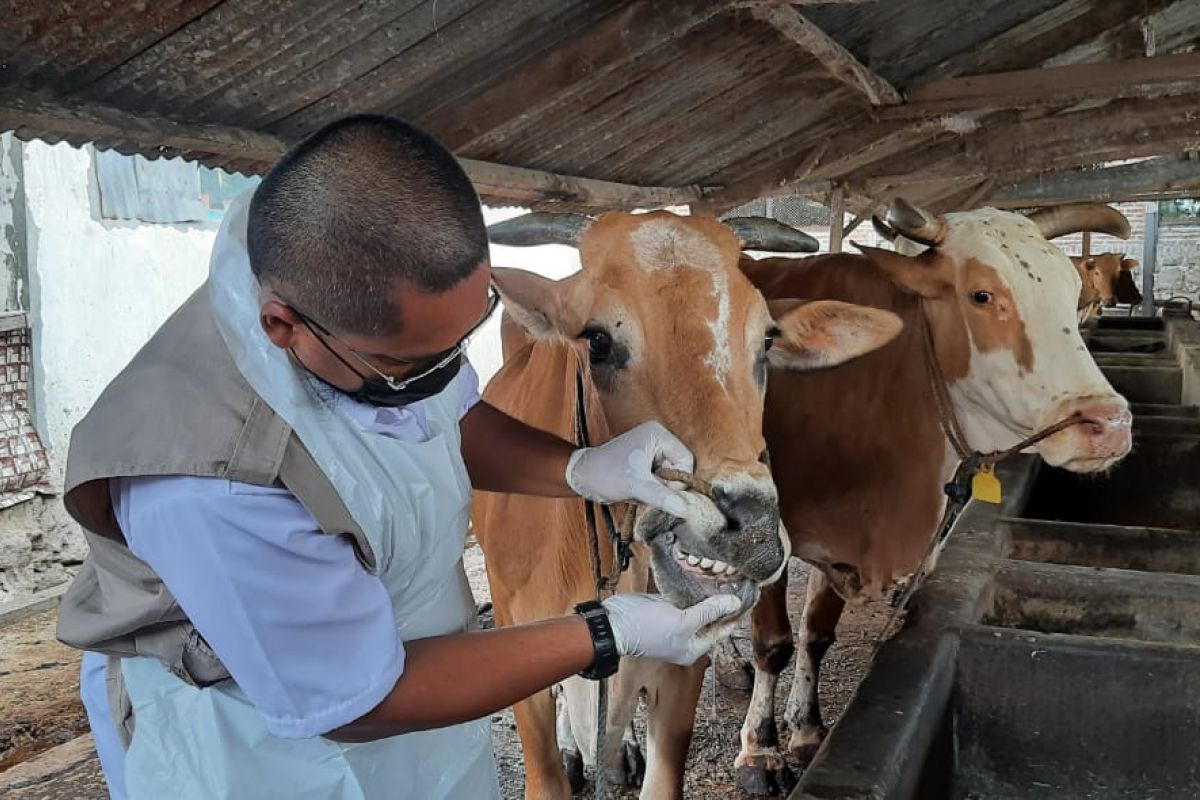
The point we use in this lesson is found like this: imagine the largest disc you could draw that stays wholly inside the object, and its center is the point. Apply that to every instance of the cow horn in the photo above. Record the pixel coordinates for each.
(539, 227)
(761, 233)
(1055, 221)
(916, 224)
(884, 230)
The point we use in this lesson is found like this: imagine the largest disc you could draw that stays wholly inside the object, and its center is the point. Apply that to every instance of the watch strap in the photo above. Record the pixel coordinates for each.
(604, 641)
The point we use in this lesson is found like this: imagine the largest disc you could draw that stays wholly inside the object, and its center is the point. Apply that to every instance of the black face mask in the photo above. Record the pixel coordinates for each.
(375, 391)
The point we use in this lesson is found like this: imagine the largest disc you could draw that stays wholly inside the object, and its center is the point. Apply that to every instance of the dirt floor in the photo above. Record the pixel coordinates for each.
(40, 708)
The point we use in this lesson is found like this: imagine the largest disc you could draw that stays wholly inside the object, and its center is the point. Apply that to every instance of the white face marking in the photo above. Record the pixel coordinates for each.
(999, 402)
(670, 244)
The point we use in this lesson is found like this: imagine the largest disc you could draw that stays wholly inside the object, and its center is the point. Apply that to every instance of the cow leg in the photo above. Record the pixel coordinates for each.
(545, 778)
(818, 627)
(670, 715)
(622, 759)
(760, 767)
(572, 758)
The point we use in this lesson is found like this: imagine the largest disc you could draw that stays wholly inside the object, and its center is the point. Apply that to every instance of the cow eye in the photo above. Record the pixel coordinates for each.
(769, 339)
(981, 298)
(599, 345)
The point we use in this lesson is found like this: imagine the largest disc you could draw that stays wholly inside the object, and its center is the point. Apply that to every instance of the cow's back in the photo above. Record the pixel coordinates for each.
(856, 450)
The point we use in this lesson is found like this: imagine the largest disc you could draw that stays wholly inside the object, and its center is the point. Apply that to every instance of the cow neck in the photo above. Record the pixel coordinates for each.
(942, 401)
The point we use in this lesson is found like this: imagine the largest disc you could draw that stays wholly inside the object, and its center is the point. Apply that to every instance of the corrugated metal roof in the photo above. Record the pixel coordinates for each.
(723, 96)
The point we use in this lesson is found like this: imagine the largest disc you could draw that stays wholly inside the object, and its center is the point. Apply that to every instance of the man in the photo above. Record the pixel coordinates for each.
(276, 491)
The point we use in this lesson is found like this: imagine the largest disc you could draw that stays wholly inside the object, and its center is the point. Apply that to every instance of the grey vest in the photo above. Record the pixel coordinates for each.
(181, 407)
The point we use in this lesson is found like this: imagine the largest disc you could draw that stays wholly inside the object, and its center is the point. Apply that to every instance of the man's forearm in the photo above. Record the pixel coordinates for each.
(504, 454)
(461, 677)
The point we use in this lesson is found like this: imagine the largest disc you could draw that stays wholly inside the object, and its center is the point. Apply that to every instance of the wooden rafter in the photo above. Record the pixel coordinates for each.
(1008, 151)
(812, 174)
(839, 62)
(1168, 175)
(78, 122)
(1053, 86)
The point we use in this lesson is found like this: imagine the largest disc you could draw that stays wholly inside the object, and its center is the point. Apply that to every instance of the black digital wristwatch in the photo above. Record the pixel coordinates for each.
(603, 641)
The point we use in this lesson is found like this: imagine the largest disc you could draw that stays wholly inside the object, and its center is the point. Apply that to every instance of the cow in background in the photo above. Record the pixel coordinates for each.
(1108, 279)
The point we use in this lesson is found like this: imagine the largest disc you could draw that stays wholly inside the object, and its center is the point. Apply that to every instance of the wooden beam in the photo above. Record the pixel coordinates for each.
(34, 116)
(1052, 86)
(837, 217)
(839, 62)
(517, 185)
(813, 173)
(1124, 129)
(496, 109)
(1165, 175)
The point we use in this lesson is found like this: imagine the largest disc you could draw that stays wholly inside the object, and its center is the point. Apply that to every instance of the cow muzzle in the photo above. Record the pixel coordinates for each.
(730, 542)
(1103, 438)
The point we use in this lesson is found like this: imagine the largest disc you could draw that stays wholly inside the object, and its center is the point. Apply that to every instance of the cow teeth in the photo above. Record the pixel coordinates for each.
(693, 560)
(678, 552)
(719, 566)
(706, 563)
(731, 570)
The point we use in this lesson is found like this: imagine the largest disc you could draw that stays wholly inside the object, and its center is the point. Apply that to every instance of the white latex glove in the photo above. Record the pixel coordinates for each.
(622, 469)
(648, 625)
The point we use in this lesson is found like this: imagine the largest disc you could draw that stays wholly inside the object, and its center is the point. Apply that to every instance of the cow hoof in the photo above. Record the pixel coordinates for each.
(735, 675)
(632, 769)
(765, 775)
(573, 763)
(805, 743)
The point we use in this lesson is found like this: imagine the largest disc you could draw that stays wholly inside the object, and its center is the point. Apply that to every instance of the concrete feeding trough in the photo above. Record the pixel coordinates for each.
(1055, 651)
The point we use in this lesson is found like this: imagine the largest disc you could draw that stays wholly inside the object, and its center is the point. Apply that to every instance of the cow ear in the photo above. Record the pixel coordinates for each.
(540, 305)
(927, 274)
(824, 333)
(1129, 264)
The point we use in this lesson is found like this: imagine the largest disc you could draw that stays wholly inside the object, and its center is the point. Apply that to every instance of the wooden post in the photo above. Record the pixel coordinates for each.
(837, 217)
(1086, 252)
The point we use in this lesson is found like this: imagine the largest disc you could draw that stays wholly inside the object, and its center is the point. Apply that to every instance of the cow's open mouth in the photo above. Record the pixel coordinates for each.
(687, 569)
(686, 583)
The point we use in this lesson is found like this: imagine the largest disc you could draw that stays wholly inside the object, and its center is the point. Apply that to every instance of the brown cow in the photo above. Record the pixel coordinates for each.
(663, 326)
(1108, 279)
(859, 453)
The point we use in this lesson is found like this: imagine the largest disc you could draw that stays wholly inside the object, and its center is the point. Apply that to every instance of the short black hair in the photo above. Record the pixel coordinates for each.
(361, 205)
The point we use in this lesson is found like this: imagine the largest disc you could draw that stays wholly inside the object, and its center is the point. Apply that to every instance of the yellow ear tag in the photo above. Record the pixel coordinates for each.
(985, 486)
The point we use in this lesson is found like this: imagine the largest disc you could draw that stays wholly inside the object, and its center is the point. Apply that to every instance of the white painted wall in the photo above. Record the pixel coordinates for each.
(98, 288)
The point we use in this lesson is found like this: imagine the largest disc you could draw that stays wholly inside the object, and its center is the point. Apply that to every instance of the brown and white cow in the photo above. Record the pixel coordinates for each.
(663, 326)
(859, 454)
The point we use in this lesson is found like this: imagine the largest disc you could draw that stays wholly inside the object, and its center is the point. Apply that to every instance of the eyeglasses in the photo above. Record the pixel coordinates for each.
(435, 362)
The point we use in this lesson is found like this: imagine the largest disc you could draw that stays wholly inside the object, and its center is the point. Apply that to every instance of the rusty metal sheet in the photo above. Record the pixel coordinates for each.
(258, 84)
(197, 53)
(902, 40)
(509, 27)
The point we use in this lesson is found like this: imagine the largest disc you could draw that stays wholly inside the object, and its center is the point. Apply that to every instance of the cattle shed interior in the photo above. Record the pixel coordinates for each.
(600, 104)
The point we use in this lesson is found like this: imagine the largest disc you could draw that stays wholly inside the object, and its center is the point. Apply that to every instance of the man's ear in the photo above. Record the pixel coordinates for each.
(825, 333)
(927, 274)
(543, 307)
